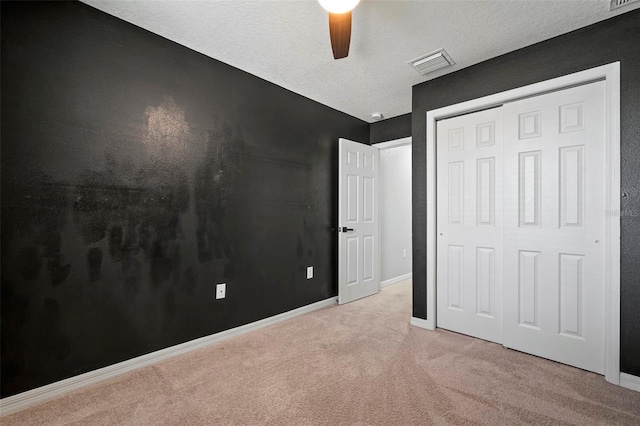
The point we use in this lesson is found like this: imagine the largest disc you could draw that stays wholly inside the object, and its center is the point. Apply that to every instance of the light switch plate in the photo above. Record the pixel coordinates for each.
(309, 272)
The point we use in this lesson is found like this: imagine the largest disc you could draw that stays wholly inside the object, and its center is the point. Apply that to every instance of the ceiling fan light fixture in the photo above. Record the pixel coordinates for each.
(338, 6)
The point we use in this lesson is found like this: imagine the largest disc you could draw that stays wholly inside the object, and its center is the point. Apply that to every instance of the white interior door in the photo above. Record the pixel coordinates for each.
(554, 227)
(469, 243)
(521, 225)
(358, 221)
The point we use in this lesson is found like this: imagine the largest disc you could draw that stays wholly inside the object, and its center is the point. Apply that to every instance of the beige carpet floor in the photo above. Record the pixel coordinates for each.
(357, 364)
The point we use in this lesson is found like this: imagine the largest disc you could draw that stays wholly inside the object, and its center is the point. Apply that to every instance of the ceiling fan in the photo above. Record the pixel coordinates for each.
(339, 24)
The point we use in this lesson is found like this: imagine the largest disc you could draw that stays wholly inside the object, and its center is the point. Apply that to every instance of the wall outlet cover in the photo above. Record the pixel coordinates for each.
(221, 291)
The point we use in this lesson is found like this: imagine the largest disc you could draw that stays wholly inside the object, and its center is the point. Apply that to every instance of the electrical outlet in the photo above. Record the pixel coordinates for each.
(309, 272)
(221, 291)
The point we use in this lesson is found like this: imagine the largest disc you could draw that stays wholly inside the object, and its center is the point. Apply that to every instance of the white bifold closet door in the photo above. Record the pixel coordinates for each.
(541, 273)
(469, 224)
(554, 227)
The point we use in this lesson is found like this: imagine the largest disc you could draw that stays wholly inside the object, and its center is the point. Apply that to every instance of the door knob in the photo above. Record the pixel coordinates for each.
(345, 229)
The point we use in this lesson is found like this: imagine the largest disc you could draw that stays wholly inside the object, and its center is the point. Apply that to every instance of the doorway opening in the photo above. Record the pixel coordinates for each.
(395, 211)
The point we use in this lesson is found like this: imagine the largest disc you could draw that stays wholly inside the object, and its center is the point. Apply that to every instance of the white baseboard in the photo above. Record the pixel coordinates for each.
(44, 393)
(422, 323)
(396, 279)
(630, 382)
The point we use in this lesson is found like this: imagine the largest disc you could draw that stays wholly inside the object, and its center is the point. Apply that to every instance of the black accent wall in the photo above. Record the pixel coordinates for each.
(390, 129)
(616, 39)
(137, 174)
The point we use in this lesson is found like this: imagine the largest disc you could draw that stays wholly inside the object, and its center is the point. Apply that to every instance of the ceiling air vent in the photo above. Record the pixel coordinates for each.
(433, 61)
(615, 4)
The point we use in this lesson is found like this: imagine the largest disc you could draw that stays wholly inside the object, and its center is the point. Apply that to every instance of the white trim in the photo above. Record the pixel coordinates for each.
(394, 143)
(630, 382)
(611, 74)
(44, 393)
(396, 279)
(419, 322)
(612, 239)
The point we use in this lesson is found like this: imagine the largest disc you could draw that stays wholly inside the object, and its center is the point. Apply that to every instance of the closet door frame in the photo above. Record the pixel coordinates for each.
(611, 75)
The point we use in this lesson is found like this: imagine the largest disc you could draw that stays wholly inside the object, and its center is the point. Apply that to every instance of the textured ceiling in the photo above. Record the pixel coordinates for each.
(287, 42)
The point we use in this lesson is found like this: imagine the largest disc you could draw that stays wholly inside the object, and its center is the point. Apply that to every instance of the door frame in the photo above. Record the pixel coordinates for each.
(611, 75)
(393, 143)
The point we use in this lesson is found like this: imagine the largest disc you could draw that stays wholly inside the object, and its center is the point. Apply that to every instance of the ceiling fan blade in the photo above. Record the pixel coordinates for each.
(340, 32)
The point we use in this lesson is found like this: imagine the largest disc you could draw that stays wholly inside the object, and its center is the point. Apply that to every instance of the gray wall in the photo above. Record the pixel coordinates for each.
(616, 39)
(395, 211)
(137, 174)
(390, 129)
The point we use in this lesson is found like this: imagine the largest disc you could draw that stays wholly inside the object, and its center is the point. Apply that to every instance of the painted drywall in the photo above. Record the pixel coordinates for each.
(609, 41)
(395, 212)
(390, 129)
(137, 174)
